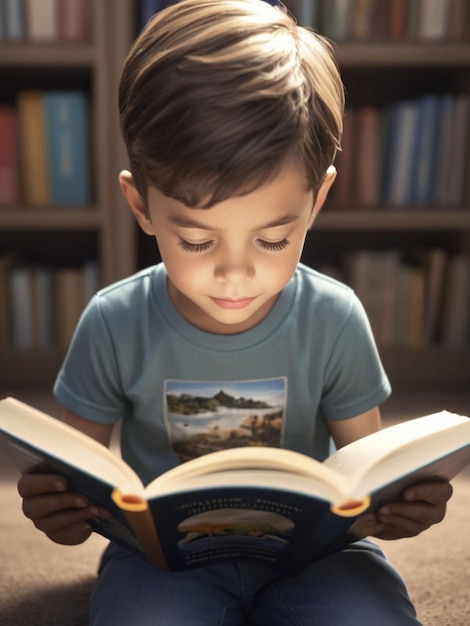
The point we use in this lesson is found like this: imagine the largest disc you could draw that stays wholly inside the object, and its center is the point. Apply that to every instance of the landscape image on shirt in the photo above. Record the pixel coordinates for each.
(205, 417)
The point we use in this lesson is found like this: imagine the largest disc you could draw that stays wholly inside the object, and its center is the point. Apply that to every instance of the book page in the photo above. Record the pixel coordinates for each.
(26, 430)
(397, 450)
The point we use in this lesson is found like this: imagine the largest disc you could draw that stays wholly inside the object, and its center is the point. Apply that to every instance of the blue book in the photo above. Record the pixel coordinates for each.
(67, 134)
(400, 141)
(424, 156)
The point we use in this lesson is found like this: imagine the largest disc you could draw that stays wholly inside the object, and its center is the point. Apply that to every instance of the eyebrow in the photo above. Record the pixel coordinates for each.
(188, 222)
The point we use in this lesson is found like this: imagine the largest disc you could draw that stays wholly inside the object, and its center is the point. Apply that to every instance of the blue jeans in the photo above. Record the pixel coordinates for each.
(354, 587)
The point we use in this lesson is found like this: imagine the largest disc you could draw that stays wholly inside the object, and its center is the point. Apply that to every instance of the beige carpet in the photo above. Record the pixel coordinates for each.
(43, 584)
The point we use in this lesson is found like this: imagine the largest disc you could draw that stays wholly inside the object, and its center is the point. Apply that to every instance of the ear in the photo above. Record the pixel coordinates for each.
(136, 202)
(322, 193)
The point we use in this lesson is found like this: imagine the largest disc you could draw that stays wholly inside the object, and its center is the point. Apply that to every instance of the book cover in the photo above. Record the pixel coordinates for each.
(67, 139)
(9, 157)
(247, 502)
(33, 148)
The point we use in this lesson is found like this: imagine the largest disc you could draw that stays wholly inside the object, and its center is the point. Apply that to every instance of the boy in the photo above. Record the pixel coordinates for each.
(232, 116)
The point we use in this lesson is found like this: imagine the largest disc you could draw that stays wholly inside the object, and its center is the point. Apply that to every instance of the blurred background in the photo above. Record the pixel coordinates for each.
(396, 228)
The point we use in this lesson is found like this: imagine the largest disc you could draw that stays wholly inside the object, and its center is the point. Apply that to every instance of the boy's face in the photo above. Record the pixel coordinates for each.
(227, 264)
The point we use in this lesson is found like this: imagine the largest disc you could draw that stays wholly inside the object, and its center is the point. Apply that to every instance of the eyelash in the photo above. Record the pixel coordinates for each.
(195, 247)
(276, 246)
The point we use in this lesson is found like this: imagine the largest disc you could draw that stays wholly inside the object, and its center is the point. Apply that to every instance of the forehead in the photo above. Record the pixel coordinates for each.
(285, 189)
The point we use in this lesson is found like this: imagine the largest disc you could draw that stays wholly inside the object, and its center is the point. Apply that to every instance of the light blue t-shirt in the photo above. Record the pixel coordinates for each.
(182, 392)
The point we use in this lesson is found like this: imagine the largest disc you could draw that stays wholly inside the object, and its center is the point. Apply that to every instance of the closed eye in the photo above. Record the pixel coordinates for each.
(275, 246)
(195, 247)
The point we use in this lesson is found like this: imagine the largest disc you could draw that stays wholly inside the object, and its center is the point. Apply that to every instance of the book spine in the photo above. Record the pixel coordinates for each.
(33, 148)
(9, 165)
(69, 302)
(41, 20)
(67, 139)
(13, 19)
(139, 517)
(21, 315)
(74, 20)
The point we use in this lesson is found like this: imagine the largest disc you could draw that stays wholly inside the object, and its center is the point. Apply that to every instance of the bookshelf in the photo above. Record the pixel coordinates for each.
(58, 236)
(376, 71)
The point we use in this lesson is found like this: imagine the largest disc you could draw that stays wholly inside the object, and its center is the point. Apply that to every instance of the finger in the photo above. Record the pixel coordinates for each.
(420, 512)
(39, 506)
(35, 484)
(61, 521)
(71, 535)
(397, 526)
(431, 492)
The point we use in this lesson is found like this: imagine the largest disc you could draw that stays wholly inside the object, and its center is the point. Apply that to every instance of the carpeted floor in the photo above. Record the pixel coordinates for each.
(43, 584)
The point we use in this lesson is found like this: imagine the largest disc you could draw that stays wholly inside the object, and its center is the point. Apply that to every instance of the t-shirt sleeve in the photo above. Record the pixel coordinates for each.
(88, 382)
(355, 380)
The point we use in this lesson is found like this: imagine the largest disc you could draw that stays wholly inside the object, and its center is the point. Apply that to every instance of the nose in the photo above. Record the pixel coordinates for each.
(234, 267)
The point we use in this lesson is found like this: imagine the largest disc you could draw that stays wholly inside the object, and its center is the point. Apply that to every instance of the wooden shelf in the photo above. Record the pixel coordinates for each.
(53, 55)
(402, 54)
(70, 219)
(392, 219)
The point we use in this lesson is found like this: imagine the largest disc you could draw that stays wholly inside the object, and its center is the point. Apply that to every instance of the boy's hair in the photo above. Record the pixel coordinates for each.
(216, 94)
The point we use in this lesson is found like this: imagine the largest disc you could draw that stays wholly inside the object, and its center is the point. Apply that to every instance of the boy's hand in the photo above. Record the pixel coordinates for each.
(60, 514)
(422, 506)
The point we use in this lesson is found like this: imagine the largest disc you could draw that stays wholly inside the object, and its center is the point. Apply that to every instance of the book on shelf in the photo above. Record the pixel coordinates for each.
(436, 264)
(33, 148)
(13, 22)
(344, 187)
(10, 193)
(40, 304)
(7, 262)
(396, 20)
(398, 156)
(21, 311)
(367, 156)
(54, 147)
(456, 305)
(69, 302)
(74, 20)
(425, 149)
(433, 18)
(247, 502)
(67, 139)
(41, 20)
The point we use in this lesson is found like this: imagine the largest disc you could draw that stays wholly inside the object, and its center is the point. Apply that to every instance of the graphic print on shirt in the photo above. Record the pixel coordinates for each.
(207, 416)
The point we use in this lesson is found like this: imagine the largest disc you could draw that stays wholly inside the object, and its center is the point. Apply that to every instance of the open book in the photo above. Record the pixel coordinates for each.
(248, 502)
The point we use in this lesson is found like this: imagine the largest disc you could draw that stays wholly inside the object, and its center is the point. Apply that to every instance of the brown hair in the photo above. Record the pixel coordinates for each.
(215, 94)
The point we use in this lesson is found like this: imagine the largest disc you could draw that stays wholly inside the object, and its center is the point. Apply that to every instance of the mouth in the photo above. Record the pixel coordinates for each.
(236, 303)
